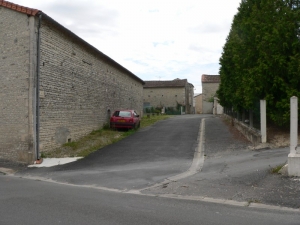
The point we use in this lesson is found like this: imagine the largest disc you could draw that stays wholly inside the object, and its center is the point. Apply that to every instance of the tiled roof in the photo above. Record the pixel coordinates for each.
(210, 78)
(165, 83)
(19, 8)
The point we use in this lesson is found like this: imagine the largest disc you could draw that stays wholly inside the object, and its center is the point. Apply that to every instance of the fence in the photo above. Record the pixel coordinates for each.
(248, 117)
(252, 123)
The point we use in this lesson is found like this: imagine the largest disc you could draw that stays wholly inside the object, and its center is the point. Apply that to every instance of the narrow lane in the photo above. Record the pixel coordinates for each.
(147, 157)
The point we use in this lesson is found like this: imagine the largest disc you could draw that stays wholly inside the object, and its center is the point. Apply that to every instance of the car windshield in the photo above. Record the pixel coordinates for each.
(122, 114)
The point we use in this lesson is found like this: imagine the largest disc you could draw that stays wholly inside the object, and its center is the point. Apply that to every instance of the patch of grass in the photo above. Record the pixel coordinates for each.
(253, 201)
(277, 169)
(97, 139)
(147, 121)
(72, 144)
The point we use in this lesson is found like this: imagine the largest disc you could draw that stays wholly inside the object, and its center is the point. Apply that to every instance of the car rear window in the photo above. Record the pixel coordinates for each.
(122, 114)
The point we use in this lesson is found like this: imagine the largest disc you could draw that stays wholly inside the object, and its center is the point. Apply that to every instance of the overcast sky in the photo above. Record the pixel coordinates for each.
(154, 39)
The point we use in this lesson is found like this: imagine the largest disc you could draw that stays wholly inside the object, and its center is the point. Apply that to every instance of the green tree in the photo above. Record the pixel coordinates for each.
(261, 59)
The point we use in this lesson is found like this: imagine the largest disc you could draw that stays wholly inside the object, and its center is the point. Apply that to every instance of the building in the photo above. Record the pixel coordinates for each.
(198, 103)
(169, 94)
(55, 87)
(210, 85)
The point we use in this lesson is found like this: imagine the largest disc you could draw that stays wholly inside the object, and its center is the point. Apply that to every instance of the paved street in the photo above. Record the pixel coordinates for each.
(145, 158)
(30, 202)
(233, 172)
(147, 179)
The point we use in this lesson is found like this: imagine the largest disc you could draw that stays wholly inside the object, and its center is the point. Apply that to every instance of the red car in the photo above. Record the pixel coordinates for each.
(128, 119)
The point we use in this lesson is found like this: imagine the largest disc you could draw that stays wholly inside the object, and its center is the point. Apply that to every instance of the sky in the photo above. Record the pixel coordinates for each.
(154, 39)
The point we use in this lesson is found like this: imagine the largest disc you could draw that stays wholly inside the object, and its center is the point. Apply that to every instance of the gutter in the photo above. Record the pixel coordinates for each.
(38, 89)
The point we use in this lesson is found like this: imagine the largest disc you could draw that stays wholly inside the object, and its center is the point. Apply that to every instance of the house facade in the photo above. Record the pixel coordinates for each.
(169, 94)
(198, 103)
(55, 87)
(210, 85)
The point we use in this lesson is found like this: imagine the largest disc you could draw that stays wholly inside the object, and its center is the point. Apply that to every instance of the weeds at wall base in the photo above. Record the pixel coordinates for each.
(96, 140)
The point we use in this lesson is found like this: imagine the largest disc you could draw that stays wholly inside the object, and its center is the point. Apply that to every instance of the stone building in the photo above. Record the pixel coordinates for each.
(210, 85)
(198, 103)
(55, 87)
(171, 93)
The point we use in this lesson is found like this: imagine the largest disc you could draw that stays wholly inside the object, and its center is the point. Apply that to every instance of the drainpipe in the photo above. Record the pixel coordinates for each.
(38, 90)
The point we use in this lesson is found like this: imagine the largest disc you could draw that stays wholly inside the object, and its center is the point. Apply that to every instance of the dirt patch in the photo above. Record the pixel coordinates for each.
(278, 137)
(237, 135)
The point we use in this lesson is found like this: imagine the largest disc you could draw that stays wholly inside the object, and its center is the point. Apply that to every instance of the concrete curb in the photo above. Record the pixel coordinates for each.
(7, 171)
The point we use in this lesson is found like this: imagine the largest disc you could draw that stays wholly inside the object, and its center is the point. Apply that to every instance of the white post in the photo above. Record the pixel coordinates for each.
(294, 125)
(263, 121)
(294, 156)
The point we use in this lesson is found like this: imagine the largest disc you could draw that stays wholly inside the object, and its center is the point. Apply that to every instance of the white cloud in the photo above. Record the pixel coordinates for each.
(154, 39)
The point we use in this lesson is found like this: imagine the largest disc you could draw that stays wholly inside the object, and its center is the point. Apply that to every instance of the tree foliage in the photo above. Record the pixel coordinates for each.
(261, 57)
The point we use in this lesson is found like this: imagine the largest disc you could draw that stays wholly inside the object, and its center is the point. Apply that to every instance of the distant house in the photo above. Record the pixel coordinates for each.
(210, 85)
(198, 103)
(55, 87)
(169, 94)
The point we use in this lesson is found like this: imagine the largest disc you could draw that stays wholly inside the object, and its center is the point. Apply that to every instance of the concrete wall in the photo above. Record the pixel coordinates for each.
(17, 57)
(208, 92)
(198, 104)
(165, 97)
(78, 88)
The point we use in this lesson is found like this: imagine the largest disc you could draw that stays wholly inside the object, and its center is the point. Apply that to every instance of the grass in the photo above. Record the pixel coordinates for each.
(253, 201)
(276, 169)
(97, 139)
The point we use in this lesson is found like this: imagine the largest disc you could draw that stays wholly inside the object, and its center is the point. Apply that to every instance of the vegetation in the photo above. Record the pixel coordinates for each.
(261, 57)
(97, 139)
(276, 169)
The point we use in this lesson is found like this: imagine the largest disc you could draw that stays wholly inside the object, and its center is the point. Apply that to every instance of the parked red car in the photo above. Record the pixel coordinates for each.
(125, 119)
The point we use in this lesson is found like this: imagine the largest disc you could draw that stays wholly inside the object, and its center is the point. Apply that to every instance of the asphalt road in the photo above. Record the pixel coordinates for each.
(141, 160)
(232, 171)
(105, 188)
(30, 202)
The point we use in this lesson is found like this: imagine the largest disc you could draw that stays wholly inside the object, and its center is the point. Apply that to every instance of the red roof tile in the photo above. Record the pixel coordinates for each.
(19, 8)
(210, 78)
(165, 83)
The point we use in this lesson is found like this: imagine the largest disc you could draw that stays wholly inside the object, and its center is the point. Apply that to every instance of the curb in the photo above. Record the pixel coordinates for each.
(7, 171)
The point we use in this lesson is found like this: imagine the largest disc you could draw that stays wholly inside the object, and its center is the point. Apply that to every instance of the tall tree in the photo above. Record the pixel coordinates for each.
(261, 57)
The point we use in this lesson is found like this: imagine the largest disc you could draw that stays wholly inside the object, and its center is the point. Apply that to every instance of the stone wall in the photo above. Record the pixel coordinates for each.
(79, 88)
(208, 92)
(198, 104)
(165, 97)
(17, 47)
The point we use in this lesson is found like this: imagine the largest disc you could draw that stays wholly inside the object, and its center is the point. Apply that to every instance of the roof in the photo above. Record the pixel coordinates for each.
(165, 83)
(210, 78)
(36, 12)
(19, 8)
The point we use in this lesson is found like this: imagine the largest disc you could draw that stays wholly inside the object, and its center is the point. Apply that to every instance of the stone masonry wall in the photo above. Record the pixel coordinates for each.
(79, 88)
(16, 141)
(167, 97)
(208, 92)
(198, 104)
